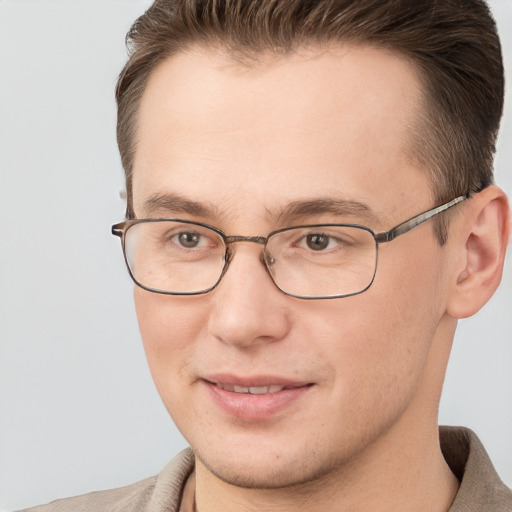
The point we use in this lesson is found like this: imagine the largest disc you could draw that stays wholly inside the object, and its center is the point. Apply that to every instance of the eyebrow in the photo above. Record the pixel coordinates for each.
(174, 204)
(166, 204)
(337, 207)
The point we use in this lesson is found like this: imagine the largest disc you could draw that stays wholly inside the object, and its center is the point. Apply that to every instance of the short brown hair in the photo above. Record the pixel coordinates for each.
(453, 44)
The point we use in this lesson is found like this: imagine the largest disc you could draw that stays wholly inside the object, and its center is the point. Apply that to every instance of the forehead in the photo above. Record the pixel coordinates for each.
(319, 121)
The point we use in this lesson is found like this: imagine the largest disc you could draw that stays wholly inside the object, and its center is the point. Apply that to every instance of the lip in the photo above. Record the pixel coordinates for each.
(256, 404)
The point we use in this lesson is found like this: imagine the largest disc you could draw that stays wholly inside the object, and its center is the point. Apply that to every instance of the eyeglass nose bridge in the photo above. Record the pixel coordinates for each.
(267, 260)
(254, 239)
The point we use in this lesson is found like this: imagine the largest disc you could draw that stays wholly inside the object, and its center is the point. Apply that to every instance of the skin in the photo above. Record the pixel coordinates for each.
(245, 142)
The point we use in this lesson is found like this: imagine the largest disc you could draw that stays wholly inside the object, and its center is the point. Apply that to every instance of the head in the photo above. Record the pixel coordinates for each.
(254, 116)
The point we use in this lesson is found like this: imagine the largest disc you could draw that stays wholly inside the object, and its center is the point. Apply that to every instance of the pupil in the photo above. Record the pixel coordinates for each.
(189, 239)
(317, 242)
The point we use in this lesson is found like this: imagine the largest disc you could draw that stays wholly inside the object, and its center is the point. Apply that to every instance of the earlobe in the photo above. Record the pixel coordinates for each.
(482, 237)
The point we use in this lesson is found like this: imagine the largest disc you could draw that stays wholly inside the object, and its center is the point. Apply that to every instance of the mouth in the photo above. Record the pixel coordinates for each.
(258, 398)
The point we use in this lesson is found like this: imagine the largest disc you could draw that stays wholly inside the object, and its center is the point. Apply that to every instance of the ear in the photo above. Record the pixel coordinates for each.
(480, 237)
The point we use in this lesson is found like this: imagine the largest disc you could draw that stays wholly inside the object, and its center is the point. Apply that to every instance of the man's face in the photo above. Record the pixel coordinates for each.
(360, 373)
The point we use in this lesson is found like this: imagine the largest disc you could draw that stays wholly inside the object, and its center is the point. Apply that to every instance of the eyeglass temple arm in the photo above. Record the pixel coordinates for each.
(406, 226)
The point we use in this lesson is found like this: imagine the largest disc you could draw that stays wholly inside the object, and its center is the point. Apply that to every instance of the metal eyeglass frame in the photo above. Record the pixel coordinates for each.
(121, 228)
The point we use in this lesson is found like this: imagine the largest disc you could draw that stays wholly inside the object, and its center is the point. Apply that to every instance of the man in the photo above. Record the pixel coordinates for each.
(310, 211)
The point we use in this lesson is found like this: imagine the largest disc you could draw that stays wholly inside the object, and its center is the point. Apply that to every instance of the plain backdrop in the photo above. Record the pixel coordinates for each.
(78, 411)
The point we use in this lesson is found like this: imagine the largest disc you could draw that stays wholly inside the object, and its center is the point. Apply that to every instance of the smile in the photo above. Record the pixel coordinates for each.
(255, 398)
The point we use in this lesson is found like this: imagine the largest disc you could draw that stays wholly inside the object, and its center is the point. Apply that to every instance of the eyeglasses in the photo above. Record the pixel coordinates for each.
(318, 261)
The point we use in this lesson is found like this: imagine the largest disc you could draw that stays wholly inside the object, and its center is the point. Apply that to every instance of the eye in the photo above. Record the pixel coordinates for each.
(319, 241)
(189, 239)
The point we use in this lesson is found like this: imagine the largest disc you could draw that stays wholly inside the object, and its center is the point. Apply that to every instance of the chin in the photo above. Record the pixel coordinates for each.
(263, 469)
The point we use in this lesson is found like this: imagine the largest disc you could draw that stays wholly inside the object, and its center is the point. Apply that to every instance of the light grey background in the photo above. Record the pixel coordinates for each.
(77, 406)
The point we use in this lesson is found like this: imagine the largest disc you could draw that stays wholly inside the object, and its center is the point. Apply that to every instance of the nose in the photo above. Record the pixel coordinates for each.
(247, 307)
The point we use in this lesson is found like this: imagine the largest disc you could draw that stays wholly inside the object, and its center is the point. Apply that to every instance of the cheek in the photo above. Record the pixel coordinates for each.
(169, 327)
(370, 351)
(405, 307)
(382, 338)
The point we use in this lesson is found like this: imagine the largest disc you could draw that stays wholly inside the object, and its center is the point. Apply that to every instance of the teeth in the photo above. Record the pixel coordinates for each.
(253, 390)
(259, 390)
